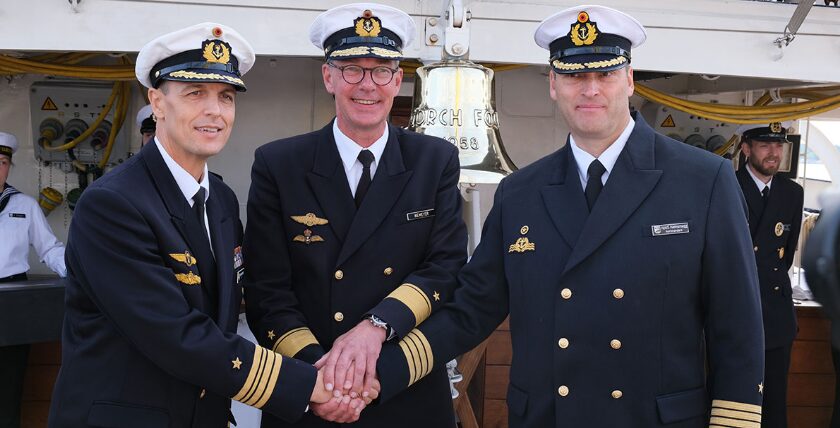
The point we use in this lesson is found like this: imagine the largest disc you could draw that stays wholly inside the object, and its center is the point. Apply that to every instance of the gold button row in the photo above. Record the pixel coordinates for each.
(567, 293)
(563, 391)
(339, 274)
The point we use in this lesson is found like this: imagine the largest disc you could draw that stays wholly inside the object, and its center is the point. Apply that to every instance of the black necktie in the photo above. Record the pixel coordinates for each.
(365, 157)
(765, 194)
(198, 209)
(593, 183)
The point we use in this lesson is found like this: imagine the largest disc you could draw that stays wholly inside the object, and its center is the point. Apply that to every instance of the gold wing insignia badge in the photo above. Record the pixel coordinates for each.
(368, 25)
(583, 32)
(185, 258)
(522, 245)
(308, 238)
(216, 51)
(188, 278)
(310, 220)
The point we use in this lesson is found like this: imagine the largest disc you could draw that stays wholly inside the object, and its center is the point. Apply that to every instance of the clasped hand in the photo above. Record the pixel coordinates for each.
(347, 380)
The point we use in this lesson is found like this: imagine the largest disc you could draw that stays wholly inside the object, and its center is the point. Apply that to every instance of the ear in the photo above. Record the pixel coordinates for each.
(328, 78)
(398, 76)
(552, 77)
(631, 87)
(156, 101)
(745, 148)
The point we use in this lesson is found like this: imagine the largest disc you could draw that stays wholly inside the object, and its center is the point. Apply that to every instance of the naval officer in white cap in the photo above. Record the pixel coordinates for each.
(623, 259)
(366, 228)
(155, 263)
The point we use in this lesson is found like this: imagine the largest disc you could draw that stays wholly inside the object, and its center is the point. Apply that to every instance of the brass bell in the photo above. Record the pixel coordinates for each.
(454, 100)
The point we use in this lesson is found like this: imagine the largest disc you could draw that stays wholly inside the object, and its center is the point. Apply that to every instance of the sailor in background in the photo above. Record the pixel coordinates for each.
(22, 223)
(146, 124)
(354, 231)
(775, 216)
(624, 260)
(154, 265)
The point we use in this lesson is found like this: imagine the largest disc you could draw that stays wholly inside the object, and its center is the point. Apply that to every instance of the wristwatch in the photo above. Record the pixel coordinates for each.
(378, 322)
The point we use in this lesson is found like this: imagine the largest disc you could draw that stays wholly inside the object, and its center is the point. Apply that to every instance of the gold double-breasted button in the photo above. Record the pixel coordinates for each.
(776, 288)
(615, 344)
(339, 274)
(566, 293)
(339, 316)
(563, 390)
(755, 249)
(203, 392)
(563, 343)
(617, 394)
(618, 293)
(388, 271)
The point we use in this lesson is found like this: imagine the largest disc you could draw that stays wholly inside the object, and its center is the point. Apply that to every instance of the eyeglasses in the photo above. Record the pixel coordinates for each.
(353, 74)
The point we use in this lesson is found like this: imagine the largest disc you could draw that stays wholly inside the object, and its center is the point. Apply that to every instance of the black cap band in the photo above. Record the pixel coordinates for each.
(6, 150)
(347, 37)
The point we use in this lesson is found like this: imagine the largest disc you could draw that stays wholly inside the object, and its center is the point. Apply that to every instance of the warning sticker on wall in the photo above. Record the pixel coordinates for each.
(50, 105)
(668, 122)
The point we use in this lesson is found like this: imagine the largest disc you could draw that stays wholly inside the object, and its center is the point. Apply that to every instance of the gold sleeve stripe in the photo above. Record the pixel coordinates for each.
(293, 341)
(415, 299)
(418, 355)
(726, 422)
(734, 414)
(262, 378)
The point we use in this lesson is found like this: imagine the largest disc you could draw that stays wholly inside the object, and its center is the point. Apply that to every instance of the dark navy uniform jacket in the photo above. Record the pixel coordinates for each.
(149, 337)
(775, 234)
(612, 312)
(317, 265)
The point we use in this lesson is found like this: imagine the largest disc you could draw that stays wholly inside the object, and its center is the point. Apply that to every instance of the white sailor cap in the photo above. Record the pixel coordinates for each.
(589, 38)
(8, 144)
(206, 52)
(144, 119)
(362, 30)
(774, 131)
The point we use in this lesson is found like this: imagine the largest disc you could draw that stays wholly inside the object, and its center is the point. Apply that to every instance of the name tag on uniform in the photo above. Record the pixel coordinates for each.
(17, 215)
(420, 215)
(669, 229)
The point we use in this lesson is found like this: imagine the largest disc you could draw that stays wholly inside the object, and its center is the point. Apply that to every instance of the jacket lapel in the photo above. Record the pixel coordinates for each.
(751, 194)
(222, 242)
(563, 197)
(167, 188)
(632, 179)
(388, 182)
(329, 184)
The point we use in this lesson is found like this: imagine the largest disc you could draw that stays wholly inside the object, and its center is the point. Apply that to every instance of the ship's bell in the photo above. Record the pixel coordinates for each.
(453, 100)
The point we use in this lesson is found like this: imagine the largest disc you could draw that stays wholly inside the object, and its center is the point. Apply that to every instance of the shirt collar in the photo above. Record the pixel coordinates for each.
(757, 180)
(349, 150)
(608, 158)
(186, 182)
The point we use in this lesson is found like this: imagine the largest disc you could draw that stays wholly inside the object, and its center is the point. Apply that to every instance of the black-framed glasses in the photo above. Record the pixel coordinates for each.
(352, 74)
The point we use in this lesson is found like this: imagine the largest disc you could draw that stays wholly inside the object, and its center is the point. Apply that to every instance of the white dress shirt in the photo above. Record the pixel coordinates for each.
(22, 223)
(187, 184)
(608, 158)
(349, 152)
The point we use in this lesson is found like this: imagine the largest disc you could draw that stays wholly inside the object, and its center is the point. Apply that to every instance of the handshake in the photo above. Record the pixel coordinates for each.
(347, 380)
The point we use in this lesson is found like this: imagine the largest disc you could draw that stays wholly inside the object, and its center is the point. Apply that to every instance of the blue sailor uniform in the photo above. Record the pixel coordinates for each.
(613, 313)
(151, 311)
(317, 265)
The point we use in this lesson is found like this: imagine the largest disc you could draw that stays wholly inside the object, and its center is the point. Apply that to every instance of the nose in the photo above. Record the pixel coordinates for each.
(590, 85)
(367, 80)
(212, 106)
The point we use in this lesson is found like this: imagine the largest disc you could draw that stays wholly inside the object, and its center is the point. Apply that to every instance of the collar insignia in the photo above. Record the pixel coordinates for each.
(216, 51)
(368, 25)
(310, 220)
(584, 31)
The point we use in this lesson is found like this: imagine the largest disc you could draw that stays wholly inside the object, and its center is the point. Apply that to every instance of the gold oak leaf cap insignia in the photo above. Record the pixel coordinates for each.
(216, 51)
